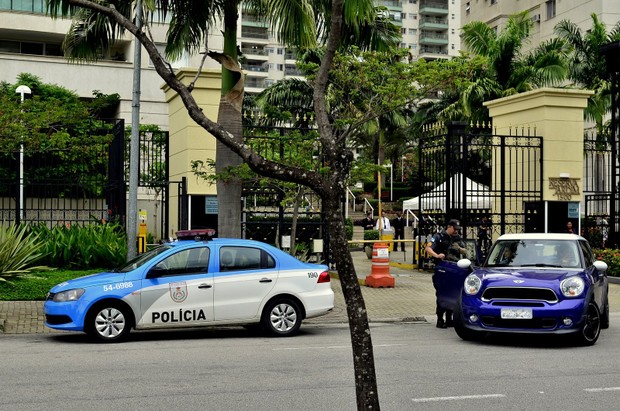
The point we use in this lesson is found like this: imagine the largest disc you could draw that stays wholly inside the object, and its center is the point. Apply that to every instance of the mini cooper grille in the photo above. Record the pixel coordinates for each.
(519, 293)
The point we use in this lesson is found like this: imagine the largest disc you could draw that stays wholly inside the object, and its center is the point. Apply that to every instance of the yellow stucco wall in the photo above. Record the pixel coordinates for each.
(189, 141)
(557, 116)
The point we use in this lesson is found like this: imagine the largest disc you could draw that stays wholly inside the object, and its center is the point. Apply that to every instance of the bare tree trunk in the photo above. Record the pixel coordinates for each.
(298, 198)
(361, 341)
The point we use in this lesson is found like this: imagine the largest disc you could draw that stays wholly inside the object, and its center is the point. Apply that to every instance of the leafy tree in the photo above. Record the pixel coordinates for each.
(586, 64)
(54, 122)
(328, 182)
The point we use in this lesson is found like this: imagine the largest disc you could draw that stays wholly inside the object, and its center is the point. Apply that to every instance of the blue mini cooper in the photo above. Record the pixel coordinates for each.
(529, 283)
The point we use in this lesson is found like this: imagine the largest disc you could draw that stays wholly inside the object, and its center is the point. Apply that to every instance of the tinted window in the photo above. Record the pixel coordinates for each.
(244, 258)
(587, 253)
(193, 260)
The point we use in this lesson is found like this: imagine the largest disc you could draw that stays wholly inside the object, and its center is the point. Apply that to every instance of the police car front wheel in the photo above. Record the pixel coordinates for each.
(282, 317)
(108, 322)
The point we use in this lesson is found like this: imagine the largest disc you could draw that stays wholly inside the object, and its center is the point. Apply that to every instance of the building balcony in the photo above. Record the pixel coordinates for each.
(434, 8)
(253, 21)
(433, 39)
(432, 23)
(256, 68)
(254, 50)
(434, 53)
(255, 33)
(391, 4)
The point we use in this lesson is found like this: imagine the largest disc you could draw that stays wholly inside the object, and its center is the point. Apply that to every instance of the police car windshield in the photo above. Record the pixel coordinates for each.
(141, 259)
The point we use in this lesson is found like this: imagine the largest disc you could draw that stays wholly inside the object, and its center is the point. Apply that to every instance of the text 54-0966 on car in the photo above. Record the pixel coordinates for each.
(193, 283)
(530, 283)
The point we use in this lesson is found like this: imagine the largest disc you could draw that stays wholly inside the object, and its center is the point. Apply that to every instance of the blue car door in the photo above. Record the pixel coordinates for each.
(448, 281)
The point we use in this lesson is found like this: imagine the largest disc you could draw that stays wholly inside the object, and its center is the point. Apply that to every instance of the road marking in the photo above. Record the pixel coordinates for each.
(333, 347)
(460, 397)
(602, 389)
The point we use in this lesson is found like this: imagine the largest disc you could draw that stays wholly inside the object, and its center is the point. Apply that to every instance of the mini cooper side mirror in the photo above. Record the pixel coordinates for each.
(600, 265)
(464, 263)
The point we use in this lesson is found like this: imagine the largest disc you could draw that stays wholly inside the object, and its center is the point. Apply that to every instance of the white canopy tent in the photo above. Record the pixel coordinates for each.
(477, 196)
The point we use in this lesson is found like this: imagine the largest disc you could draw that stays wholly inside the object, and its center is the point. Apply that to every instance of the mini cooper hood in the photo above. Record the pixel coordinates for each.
(527, 274)
(89, 281)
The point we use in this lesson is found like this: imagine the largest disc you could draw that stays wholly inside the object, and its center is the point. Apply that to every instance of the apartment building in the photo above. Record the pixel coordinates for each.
(544, 13)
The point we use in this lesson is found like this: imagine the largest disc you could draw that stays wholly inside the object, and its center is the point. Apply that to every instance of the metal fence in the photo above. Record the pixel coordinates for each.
(75, 184)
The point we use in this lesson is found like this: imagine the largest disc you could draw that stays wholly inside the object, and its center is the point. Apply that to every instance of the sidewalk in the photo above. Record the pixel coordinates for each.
(412, 299)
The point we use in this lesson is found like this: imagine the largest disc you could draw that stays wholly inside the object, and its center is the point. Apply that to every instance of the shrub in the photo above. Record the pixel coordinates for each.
(349, 228)
(81, 247)
(371, 234)
(19, 251)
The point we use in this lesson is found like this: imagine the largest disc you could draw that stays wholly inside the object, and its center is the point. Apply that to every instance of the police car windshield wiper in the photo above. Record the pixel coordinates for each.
(541, 265)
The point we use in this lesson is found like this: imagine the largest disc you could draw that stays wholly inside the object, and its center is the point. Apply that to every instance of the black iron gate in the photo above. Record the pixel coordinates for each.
(475, 176)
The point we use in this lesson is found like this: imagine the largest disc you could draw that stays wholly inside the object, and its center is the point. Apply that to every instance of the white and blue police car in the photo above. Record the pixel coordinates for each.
(193, 282)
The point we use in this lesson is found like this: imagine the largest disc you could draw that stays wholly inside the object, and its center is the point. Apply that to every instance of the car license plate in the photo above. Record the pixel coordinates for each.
(517, 313)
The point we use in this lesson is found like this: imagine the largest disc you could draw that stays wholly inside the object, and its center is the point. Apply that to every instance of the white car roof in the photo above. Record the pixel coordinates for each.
(540, 236)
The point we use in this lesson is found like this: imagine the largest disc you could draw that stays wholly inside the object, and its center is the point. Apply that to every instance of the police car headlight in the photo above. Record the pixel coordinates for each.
(69, 295)
(572, 287)
(472, 284)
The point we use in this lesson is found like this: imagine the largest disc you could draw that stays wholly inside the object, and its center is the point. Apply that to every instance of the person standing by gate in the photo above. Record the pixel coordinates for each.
(438, 248)
(398, 224)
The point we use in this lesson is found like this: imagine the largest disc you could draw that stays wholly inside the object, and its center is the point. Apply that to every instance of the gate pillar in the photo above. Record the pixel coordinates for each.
(556, 115)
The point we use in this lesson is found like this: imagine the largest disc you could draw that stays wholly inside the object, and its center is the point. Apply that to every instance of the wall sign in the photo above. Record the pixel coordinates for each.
(565, 188)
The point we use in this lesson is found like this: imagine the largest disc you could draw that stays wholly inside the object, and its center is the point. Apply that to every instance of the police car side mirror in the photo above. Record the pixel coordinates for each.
(156, 272)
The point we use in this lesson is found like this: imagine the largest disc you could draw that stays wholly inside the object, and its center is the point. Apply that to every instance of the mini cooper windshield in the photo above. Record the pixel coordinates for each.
(535, 253)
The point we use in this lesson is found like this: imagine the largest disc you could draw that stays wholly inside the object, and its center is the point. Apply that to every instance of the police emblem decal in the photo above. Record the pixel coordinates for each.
(178, 291)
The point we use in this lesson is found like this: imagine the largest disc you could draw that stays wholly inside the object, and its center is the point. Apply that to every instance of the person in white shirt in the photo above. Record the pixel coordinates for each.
(383, 223)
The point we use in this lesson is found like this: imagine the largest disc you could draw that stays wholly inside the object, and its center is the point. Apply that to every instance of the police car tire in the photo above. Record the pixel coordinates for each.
(282, 317)
(108, 322)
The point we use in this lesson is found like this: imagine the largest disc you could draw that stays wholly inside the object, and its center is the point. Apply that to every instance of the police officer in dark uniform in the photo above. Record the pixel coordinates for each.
(439, 248)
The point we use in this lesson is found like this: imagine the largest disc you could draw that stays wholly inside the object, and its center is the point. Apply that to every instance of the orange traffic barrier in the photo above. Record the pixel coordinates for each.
(380, 271)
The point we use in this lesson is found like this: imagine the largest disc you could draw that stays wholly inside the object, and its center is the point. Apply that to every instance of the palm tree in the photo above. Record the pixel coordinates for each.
(509, 72)
(587, 65)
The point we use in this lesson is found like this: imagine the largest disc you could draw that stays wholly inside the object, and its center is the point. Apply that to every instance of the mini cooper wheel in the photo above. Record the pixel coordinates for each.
(591, 327)
(109, 322)
(282, 318)
(459, 326)
(605, 317)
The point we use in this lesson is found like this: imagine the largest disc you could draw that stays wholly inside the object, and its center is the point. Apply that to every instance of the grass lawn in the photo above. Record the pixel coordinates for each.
(35, 286)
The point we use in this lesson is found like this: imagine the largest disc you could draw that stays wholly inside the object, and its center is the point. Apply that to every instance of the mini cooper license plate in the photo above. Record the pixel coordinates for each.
(517, 313)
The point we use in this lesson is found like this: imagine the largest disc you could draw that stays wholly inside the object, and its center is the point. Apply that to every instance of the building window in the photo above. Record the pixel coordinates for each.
(280, 51)
(403, 31)
(453, 17)
(33, 6)
(550, 9)
(413, 46)
(452, 46)
(413, 1)
(413, 31)
(280, 67)
(493, 1)
(269, 50)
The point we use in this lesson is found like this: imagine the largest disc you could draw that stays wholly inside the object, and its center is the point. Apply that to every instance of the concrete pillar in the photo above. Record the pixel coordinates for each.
(557, 116)
(189, 141)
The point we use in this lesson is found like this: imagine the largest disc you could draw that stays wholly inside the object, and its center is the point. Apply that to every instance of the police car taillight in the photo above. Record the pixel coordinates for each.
(324, 277)
(198, 235)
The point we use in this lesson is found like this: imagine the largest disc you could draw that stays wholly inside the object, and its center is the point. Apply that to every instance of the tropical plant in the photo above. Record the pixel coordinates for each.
(19, 251)
(508, 70)
(83, 247)
(586, 64)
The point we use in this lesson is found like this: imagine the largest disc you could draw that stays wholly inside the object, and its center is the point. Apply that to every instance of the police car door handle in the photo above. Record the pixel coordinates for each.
(205, 286)
(265, 280)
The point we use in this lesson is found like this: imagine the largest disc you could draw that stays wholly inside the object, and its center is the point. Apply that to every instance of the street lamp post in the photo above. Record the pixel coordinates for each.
(22, 90)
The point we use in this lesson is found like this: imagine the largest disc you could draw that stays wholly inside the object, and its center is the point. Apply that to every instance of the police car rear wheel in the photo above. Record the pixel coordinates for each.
(108, 323)
(282, 318)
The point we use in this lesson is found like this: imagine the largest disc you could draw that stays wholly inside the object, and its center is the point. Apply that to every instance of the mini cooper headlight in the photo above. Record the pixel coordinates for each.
(472, 284)
(572, 287)
(69, 295)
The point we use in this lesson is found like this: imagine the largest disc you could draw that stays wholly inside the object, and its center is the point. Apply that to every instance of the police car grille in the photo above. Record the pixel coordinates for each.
(519, 293)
